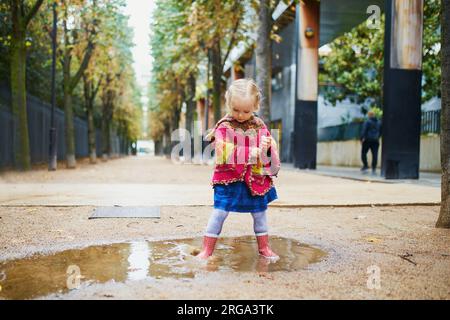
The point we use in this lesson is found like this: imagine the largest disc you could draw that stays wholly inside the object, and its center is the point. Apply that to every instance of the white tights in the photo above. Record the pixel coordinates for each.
(218, 217)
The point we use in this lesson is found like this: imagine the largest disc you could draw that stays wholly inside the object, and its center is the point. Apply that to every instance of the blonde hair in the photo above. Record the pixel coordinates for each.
(244, 88)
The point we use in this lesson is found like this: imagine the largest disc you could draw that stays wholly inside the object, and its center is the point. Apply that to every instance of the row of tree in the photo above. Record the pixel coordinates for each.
(191, 41)
(95, 78)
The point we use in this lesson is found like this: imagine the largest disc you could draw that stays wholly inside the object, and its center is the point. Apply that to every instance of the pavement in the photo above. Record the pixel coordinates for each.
(157, 181)
(425, 178)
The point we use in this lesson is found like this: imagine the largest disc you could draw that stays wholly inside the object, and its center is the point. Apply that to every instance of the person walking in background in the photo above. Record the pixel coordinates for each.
(370, 136)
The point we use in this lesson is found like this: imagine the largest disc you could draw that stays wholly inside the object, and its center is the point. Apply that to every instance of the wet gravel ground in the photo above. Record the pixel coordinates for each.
(412, 256)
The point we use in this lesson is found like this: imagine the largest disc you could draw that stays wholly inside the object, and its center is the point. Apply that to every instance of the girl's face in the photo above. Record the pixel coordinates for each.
(242, 108)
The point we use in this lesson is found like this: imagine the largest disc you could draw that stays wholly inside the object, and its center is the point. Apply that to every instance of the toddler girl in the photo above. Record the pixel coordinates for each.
(246, 160)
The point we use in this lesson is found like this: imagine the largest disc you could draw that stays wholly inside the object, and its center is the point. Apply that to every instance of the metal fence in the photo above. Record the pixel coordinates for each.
(340, 133)
(431, 123)
(6, 145)
(39, 115)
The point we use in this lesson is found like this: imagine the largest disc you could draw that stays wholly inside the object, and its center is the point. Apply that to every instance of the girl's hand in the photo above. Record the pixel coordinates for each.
(266, 142)
(255, 152)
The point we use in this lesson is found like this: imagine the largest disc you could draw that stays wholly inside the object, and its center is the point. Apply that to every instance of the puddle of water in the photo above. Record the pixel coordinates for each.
(41, 275)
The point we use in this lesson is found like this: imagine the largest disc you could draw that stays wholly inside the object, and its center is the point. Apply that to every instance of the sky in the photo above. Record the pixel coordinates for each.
(140, 12)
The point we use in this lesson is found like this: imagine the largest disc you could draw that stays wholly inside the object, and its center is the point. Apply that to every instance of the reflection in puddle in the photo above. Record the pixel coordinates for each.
(42, 275)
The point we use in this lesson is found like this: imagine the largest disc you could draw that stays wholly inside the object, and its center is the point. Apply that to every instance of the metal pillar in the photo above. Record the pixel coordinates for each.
(402, 89)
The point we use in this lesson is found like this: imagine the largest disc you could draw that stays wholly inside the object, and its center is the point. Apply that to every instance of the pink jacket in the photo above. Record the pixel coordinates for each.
(237, 157)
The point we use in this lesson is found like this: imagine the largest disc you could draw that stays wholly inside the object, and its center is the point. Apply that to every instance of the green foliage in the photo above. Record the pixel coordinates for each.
(182, 33)
(170, 61)
(378, 112)
(354, 68)
(431, 50)
(5, 41)
(113, 43)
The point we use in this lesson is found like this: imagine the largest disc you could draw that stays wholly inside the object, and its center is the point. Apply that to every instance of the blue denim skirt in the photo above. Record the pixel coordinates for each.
(236, 197)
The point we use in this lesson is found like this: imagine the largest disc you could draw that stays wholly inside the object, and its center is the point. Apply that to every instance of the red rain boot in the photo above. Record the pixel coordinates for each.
(208, 247)
(264, 249)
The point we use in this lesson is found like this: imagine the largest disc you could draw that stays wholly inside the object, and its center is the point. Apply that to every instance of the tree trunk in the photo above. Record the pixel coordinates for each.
(104, 139)
(264, 58)
(68, 115)
(89, 103)
(106, 131)
(69, 131)
(107, 114)
(108, 111)
(91, 136)
(444, 216)
(190, 105)
(176, 115)
(174, 124)
(70, 82)
(167, 144)
(19, 93)
(20, 17)
(216, 61)
(158, 148)
(68, 111)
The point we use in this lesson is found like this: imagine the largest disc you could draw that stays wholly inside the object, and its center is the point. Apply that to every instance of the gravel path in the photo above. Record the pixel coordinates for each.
(146, 181)
(45, 212)
(354, 238)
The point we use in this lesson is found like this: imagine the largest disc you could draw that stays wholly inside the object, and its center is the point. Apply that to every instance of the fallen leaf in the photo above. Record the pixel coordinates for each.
(265, 275)
(373, 240)
(128, 225)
